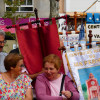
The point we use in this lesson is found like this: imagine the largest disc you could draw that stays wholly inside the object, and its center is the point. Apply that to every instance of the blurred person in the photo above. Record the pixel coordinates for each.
(13, 84)
(48, 84)
(2, 54)
(15, 51)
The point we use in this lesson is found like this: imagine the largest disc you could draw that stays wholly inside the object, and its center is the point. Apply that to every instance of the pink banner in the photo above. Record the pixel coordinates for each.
(8, 22)
(3, 27)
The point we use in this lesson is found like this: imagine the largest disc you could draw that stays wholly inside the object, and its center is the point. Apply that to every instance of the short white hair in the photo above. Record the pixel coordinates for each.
(2, 33)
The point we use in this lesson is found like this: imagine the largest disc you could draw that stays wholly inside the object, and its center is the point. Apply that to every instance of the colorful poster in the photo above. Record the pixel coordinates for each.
(84, 66)
(90, 82)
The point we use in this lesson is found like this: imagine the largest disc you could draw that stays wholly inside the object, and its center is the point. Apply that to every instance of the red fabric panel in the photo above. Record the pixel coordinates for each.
(50, 40)
(29, 44)
(41, 33)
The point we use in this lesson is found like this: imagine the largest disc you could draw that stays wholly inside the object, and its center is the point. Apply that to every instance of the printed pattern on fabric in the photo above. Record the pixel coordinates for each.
(15, 90)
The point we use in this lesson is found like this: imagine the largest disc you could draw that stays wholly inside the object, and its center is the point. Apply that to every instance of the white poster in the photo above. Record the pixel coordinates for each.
(95, 28)
(85, 68)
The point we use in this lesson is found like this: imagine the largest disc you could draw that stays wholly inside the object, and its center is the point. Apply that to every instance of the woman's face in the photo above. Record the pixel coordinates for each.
(17, 70)
(50, 71)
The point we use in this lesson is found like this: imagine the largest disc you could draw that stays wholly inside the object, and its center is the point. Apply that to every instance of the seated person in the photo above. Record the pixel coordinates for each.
(13, 84)
(48, 83)
(24, 70)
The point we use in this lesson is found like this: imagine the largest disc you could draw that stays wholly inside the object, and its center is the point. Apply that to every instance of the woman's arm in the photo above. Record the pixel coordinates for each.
(69, 87)
(33, 76)
(29, 94)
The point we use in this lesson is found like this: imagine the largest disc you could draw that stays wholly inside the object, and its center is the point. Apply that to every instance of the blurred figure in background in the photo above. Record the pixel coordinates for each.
(2, 54)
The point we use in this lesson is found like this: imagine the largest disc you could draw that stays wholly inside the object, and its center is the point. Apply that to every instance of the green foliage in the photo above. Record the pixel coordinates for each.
(10, 36)
(13, 7)
(14, 3)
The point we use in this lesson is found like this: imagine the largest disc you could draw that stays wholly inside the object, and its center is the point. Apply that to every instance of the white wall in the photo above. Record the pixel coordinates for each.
(81, 5)
(43, 7)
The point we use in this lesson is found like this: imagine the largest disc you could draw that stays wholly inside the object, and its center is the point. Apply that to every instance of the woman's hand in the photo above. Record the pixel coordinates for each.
(64, 98)
(67, 94)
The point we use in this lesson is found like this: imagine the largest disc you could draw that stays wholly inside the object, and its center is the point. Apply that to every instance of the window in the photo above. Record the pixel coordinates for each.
(26, 6)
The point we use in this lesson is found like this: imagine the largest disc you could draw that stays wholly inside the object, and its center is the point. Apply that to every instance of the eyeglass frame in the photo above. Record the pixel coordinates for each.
(3, 42)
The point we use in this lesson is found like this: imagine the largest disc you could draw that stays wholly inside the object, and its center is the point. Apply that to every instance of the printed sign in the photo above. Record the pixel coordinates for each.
(84, 66)
(95, 31)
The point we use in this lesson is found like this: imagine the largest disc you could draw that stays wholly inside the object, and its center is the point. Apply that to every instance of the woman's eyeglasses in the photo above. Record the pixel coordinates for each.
(3, 42)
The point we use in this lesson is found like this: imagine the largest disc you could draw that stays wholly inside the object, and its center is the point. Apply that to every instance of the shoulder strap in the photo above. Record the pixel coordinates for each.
(61, 87)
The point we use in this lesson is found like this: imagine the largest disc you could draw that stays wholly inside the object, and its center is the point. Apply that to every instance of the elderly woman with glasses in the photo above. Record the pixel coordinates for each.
(13, 84)
(48, 84)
